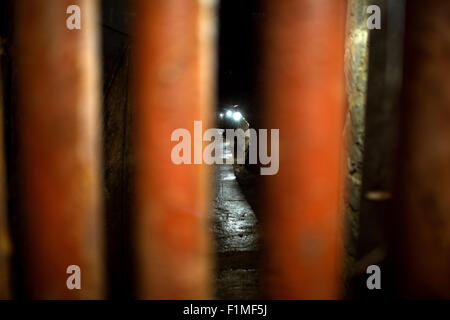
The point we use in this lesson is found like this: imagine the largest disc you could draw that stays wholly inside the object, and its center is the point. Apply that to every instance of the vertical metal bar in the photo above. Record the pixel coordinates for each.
(303, 96)
(58, 101)
(174, 86)
(424, 176)
(5, 244)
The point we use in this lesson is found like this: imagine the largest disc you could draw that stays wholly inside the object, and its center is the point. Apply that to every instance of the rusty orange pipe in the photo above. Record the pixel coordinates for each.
(5, 242)
(422, 229)
(173, 52)
(303, 96)
(58, 108)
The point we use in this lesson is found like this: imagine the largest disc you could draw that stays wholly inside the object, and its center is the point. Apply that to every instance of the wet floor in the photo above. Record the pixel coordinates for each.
(235, 231)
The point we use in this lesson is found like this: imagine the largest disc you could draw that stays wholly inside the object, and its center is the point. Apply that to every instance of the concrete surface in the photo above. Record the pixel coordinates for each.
(237, 240)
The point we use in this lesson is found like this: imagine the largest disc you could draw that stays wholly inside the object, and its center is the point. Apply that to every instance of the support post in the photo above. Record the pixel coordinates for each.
(59, 131)
(174, 81)
(422, 228)
(303, 96)
(5, 241)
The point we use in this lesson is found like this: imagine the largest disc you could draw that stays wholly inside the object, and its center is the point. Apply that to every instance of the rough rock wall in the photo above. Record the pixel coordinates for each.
(356, 69)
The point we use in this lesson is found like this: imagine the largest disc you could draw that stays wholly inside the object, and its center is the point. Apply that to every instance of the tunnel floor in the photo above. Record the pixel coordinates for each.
(236, 234)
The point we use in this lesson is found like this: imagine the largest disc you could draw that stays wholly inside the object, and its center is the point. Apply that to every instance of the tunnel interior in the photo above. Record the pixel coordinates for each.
(371, 131)
(235, 205)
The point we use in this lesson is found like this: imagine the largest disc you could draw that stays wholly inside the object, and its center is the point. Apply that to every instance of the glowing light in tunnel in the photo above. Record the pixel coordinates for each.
(237, 116)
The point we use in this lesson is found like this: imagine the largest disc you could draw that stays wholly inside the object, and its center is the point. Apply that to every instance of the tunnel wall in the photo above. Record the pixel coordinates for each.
(380, 145)
(356, 70)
